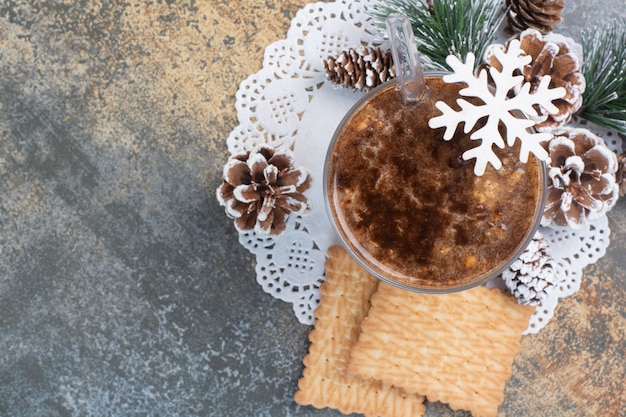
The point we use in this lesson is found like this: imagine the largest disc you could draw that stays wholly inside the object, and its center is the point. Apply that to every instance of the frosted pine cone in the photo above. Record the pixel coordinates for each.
(360, 70)
(552, 56)
(532, 277)
(542, 15)
(620, 176)
(581, 178)
(261, 188)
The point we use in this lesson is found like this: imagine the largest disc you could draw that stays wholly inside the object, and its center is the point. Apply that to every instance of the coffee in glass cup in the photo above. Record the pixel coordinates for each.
(411, 210)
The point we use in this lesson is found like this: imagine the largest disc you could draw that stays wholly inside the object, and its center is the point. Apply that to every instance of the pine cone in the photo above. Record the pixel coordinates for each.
(552, 56)
(360, 70)
(532, 277)
(581, 184)
(261, 188)
(620, 175)
(542, 15)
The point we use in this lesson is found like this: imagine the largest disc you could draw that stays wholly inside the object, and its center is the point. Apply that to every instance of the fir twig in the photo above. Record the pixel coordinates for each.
(445, 27)
(604, 68)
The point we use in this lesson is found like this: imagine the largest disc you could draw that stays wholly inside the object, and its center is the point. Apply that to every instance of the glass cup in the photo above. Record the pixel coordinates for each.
(410, 210)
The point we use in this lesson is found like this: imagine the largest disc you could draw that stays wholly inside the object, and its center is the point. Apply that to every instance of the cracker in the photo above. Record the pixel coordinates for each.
(455, 348)
(325, 383)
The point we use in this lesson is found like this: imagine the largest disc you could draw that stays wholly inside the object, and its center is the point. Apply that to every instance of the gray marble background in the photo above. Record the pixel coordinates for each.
(123, 289)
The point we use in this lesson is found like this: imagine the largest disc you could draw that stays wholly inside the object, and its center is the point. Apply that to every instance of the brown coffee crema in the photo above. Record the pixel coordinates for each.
(413, 210)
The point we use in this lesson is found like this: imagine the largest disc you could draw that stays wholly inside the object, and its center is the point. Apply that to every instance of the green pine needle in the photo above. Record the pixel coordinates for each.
(446, 27)
(604, 68)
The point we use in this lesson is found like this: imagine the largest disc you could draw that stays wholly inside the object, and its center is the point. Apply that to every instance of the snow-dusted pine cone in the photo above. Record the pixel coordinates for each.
(261, 187)
(581, 178)
(620, 175)
(542, 15)
(532, 277)
(553, 56)
(361, 69)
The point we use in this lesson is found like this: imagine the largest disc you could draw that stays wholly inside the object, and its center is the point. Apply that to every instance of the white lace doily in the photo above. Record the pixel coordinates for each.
(288, 103)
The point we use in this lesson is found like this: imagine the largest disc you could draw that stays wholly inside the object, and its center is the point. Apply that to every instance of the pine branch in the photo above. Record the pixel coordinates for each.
(445, 27)
(604, 68)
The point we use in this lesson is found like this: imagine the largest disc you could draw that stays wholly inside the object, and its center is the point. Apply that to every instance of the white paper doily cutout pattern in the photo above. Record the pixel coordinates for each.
(289, 104)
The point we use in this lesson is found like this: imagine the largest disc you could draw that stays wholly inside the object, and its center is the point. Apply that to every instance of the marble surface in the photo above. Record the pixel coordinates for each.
(123, 289)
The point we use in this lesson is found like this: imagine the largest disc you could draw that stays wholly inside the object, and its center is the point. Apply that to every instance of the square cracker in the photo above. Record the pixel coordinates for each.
(454, 348)
(325, 383)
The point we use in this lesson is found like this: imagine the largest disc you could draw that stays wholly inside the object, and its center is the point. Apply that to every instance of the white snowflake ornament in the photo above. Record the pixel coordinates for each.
(498, 107)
